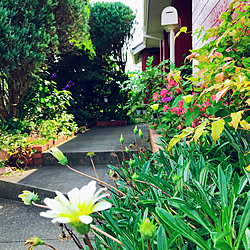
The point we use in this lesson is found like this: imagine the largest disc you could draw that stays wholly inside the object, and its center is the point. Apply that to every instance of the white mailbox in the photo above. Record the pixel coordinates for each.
(169, 18)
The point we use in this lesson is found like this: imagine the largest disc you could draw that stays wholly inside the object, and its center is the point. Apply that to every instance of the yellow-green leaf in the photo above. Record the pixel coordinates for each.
(185, 132)
(248, 168)
(177, 76)
(236, 119)
(217, 128)
(244, 124)
(248, 101)
(182, 30)
(199, 131)
(172, 143)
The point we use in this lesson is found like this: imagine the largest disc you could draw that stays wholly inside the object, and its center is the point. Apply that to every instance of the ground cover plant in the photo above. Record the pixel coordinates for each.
(194, 192)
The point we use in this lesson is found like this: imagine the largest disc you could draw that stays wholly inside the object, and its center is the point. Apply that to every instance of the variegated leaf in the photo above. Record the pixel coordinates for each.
(236, 119)
(217, 128)
(244, 124)
(199, 131)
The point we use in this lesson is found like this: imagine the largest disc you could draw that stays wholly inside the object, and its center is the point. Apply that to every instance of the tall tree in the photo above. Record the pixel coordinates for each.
(111, 27)
(31, 31)
(111, 30)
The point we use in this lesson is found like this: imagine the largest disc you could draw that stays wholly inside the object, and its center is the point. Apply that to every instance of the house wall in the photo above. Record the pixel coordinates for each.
(207, 13)
(184, 42)
(155, 52)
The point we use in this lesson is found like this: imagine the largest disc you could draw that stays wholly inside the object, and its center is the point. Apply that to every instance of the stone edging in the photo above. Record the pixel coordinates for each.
(153, 138)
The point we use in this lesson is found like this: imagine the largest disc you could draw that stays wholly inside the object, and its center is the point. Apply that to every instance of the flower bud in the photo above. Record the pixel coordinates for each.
(131, 163)
(155, 107)
(175, 178)
(127, 150)
(140, 133)
(33, 242)
(91, 154)
(27, 197)
(147, 229)
(135, 130)
(121, 140)
(135, 176)
(62, 159)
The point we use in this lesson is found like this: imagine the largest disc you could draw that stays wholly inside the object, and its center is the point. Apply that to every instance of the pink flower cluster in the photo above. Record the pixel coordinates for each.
(165, 96)
(179, 110)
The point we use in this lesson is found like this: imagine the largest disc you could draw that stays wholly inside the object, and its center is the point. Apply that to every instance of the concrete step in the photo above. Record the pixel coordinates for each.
(82, 158)
(46, 180)
(20, 222)
(103, 141)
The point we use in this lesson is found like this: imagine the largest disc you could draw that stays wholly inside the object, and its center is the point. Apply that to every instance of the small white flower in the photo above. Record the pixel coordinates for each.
(78, 207)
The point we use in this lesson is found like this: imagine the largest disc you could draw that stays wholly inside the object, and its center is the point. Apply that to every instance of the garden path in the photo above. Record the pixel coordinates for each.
(19, 222)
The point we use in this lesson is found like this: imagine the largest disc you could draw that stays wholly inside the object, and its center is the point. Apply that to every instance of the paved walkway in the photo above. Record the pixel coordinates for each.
(19, 222)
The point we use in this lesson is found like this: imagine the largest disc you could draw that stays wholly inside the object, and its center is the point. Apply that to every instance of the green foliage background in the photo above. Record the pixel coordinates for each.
(31, 35)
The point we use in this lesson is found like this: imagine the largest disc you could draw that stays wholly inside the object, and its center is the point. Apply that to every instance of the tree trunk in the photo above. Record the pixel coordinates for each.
(13, 100)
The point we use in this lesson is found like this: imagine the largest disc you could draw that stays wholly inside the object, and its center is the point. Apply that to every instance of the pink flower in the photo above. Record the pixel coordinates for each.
(164, 93)
(156, 96)
(181, 103)
(195, 123)
(155, 124)
(213, 97)
(165, 108)
(179, 127)
(174, 110)
(228, 50)
(171, 84)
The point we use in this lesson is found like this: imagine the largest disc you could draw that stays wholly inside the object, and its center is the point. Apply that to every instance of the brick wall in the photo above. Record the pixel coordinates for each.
(207, 13)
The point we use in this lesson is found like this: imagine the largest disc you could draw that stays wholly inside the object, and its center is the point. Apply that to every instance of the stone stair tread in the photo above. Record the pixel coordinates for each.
(63, 179)
(103, 139)
(22, 222)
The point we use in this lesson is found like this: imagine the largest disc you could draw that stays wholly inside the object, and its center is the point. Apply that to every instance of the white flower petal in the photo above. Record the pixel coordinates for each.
(61, 220)
(62, 198)
(101, 196)
(103, 205)
(48, 214)
(85, 219)
(99, 191)
(53, 204)
(74, 196)
(87, 192)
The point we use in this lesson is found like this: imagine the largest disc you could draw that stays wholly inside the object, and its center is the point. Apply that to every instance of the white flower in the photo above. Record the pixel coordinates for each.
(78, 207)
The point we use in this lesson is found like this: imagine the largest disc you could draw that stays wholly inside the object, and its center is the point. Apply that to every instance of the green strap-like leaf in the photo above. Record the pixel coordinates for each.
(181, 227)
(162, 241)
(222, 187)
(190, 212)
(244, 222)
